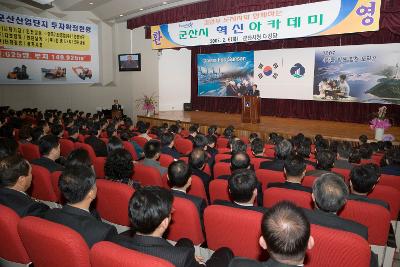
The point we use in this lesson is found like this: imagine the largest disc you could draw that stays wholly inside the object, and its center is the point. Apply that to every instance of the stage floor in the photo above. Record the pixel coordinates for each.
(285, 126)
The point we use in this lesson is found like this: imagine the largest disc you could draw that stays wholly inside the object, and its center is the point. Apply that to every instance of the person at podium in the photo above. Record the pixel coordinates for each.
(116, 106)
(253, 91)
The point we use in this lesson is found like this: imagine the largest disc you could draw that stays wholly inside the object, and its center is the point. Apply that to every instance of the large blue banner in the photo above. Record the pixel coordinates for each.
(225, 74)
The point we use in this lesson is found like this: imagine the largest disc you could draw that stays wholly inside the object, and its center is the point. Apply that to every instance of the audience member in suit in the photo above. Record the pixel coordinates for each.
(363, 180)
(143, 129)
(78, 186)
(49, 148)
(212, 141)
(343, 154)
(201, 142)
(253, 91)
(126, 136)
(294, 170)
(241, 161)
(8, 147)
(325, 161)
(73, 134)
(152, 151)
(197, 163)
(111, 131)
(253, 136)
(285, 235)
(179, 178)
(78, 157)
(116, 106)
(283, 149)
(57, 130)
(98, 145)
(15, 180)
(119, 167)
(114, 143)
(212, 130)
(150, 211)
(167, 145)
(24, 135)
(193, 131)
(45, 126)
(366, 151)
(258, 148)
(391, 162)
(242, 186)
(36, 134)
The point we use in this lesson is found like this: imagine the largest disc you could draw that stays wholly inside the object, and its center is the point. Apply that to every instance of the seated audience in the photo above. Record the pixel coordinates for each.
(179, 178)
(285, 235)
(143, 129)
(24, 135)
(366, 151)
(150, 211)
(167, 143)
(7, 131)
(119, 166)
(197, 162)
(152, 151)
(212, 141)
(49, 148)
(37, 134)
(57, 130)
(212, 130)
(113, 144)
(325, 162)
(111, 131)
(294, 169)
(44, 125)
(8, 147)
(79, 157)
(363, 180)
(78, 186)
(363, 139)
(98, 145)
(343, 154)
(15, 180)
(192, 132)
(355, 156)
(283, 150)
(242, 186)
(252, 136)
(258, 148)
(73, 134)
(390, 163)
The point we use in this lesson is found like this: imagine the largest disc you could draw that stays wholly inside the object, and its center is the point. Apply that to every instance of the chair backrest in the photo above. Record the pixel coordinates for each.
(98, 165)
(390, 195)
(267, 176)
(104, 139)
(183, 146)
(42, 187)
(197, 188)
(337, 248)
(112, 201)
(88, 148)
(66, 147)
(141, 141)
(11, 247)
(128, 146)
(222, 168)
(376, 218)
(219, 190)
(344, 172)
(390, 180)
(308, 181)
(256, 162)
(55, 177)
(29, 151)
(185, 222)
(51, 244)
(165, 160)
(220, 157)
(147, 175)
(184, 133)
(235, 228)
(222, 142)
(222, 150)
(274, 195)
(106, 254)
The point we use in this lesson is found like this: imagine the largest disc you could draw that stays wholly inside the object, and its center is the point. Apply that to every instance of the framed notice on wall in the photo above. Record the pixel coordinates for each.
(35, 50)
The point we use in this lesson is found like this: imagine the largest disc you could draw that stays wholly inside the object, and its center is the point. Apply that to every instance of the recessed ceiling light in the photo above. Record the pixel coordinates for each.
(164, 3)
(141, 9)
(91, 3)
(121, 15)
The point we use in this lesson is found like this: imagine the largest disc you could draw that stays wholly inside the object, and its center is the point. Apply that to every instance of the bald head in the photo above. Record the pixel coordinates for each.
(286, 232)
(239, 161)
(330, 192)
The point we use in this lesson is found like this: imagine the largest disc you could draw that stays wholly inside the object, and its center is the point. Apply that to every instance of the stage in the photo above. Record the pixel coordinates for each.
(285, 126)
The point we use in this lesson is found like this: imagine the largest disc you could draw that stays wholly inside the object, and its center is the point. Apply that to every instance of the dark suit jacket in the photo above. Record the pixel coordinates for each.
(343, 164)
(292, 186)
(204, 177)
(98, 145)
(21, 203)
(369, 200)
(331, 220)
(234, 205)
(170, 151)
(275, 165)
(391, 170)
(47, 163)
(260, 196)
(159, 247)
(316, 173)
(243, 262)
(198, 202)
(255, 93)
(90, 228)
(116, 107)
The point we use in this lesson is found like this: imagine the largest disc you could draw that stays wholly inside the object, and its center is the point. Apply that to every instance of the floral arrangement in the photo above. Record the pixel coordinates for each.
(147, 103)
(380, 121)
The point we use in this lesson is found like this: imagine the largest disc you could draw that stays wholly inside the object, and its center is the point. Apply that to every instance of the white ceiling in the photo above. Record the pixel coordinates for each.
(112, 9)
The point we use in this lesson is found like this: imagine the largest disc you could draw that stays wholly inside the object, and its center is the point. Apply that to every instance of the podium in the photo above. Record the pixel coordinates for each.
(251, 109)
(116, 113)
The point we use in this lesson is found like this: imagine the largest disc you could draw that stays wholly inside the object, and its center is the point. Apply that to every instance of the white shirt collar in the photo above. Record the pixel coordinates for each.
(243, 204)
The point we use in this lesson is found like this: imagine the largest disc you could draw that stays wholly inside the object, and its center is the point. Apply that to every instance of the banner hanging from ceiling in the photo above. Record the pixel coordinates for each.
(359, 73)
(314, 19)
(35, 50)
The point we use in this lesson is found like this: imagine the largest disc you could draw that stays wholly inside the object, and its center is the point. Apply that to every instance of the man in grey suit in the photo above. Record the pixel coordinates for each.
(285, 235)
(152, 151)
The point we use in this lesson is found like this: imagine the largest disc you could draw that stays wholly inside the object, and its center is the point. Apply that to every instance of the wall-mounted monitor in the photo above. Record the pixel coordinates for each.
(129, 62)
